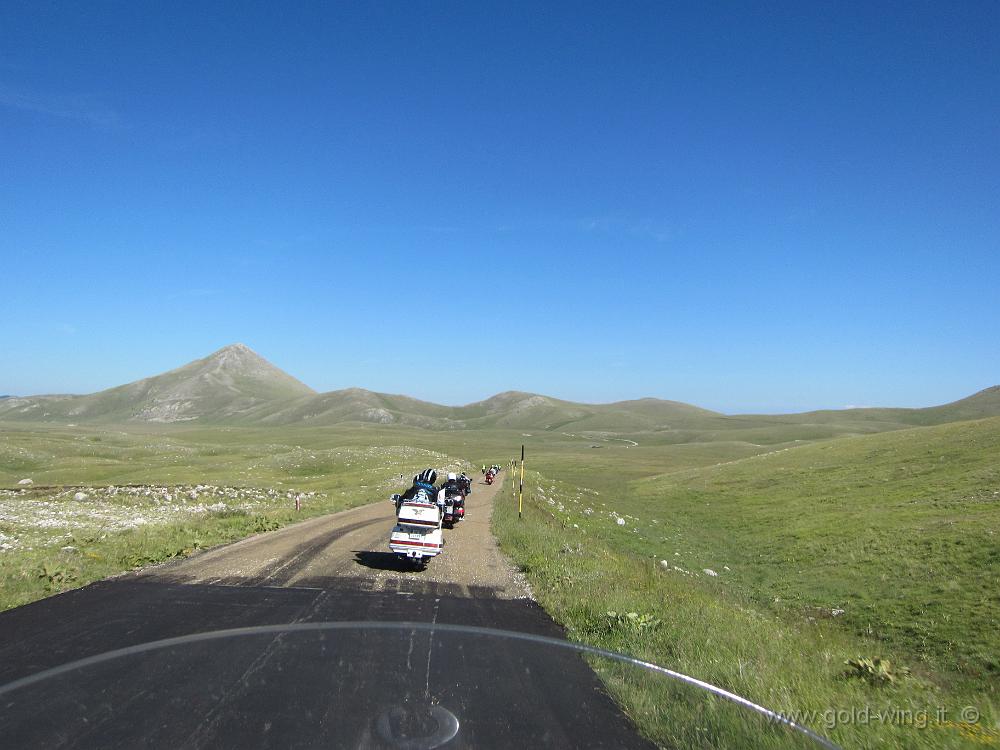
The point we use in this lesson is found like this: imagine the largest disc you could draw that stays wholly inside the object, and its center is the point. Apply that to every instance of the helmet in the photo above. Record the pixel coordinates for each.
(452, 475)
(428, 476)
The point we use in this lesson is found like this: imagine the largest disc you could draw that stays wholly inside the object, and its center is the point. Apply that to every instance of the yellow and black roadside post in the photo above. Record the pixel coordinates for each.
(520, 493)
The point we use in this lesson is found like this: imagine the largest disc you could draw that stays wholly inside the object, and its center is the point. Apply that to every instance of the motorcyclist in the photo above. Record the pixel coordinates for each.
(452, 482)
(465, 483)
(422, 482)
(452, 488)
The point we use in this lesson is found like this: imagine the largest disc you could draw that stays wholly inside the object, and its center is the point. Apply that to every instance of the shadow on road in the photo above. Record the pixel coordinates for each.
(311, 688)
(382, 561)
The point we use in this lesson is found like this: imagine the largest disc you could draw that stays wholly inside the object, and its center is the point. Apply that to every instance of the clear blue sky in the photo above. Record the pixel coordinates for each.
(750, 207)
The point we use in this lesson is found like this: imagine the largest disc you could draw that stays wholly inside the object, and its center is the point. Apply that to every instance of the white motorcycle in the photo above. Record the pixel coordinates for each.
(417, 535)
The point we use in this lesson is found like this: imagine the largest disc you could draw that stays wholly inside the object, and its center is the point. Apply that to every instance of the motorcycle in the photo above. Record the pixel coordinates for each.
(454, 509)
(417, 535)
(490, 476)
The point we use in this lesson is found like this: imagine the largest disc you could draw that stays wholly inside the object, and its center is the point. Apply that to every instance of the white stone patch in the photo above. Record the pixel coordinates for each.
(42, 518)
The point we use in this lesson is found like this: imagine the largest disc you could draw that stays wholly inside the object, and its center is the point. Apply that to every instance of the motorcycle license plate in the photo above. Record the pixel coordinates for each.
(416, 536)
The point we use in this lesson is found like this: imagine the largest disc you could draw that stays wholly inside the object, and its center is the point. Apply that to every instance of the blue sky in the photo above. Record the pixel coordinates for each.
(750, 207)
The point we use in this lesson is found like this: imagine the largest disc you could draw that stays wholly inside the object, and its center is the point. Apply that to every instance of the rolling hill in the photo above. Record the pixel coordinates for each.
(237, 386)
(220, 387)
(981, 405)
(509, 410)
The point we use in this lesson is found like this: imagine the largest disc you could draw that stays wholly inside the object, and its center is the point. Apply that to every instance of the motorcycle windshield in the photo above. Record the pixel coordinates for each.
(377, 685)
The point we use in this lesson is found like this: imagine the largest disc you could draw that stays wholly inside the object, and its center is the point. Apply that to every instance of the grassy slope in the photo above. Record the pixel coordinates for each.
(227, 383)
(900, 530)
(981, 405)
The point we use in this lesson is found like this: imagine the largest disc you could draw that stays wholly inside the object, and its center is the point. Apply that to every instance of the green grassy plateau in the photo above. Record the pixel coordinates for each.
(824, 549)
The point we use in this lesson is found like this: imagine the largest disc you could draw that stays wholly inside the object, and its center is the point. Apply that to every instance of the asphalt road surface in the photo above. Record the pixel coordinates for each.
(366, 688)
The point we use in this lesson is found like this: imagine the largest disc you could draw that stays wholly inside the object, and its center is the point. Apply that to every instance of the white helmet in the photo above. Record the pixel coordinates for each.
(452, 475)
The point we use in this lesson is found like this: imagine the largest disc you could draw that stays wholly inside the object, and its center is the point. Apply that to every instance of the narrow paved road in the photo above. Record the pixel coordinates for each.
(335, 688)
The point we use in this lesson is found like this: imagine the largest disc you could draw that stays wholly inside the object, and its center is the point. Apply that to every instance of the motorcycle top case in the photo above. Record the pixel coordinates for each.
(419, 514)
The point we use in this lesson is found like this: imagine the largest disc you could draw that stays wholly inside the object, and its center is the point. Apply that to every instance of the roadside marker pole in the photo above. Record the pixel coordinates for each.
(520, 494)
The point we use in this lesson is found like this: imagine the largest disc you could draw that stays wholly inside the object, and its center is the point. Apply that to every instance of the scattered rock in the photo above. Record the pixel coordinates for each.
(664, 564)
(709, 572)
(26, 481)
(81, 496)
(836, 612)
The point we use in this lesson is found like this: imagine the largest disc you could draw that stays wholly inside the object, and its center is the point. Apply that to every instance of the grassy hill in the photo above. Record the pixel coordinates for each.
(224, 386)
(352, 405)
(510, 410)
(900, 530)
(235, 386)
(766, 574)
(985, 403)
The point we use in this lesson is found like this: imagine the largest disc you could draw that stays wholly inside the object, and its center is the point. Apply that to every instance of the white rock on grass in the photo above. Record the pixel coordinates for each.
(664, 564)
(709, 572)
(26, 481)
(81, 496)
